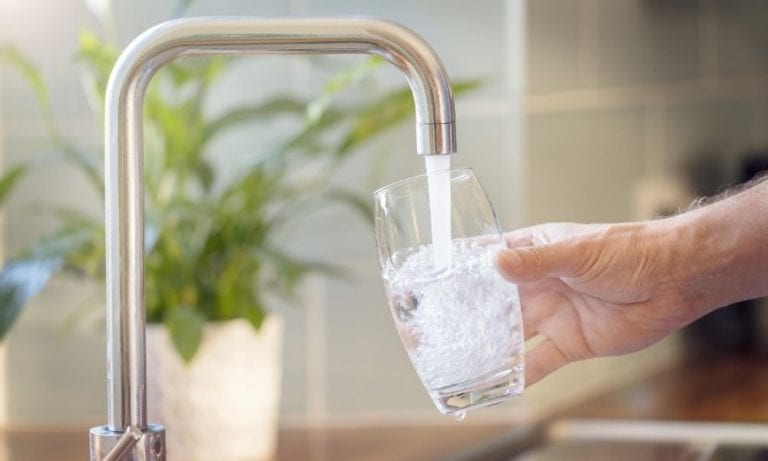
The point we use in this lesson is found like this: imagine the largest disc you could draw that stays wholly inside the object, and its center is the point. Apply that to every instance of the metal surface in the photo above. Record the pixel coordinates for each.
(133, 444)
(435, 134)
(124, 444)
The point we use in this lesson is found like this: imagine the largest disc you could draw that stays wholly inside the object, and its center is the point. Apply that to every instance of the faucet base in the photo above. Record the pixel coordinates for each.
(143, 445)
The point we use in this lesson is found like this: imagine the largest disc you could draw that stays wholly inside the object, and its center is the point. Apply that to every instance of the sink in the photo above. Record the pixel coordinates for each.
(608, 440)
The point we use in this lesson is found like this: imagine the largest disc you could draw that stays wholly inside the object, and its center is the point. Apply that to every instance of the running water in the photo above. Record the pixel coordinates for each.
(439, 183)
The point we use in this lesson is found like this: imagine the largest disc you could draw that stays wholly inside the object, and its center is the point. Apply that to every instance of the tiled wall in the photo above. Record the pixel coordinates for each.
(623, 93)
(618, 90)
(622, 90)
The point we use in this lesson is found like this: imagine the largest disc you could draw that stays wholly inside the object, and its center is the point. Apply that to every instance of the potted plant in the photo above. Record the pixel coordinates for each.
(212, 257)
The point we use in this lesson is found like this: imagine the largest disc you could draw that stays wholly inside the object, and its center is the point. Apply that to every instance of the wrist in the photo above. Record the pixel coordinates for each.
(722, 254)
(701, 254)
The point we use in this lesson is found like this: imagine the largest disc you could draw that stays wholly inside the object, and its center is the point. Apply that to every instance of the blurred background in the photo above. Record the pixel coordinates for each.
(586, 111)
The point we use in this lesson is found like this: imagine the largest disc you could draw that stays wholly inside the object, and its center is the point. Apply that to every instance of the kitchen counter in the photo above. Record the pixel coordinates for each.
(321, 444)
(724, 389)
(729, 389)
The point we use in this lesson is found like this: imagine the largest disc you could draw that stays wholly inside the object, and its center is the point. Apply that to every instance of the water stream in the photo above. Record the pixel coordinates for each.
(439, 180)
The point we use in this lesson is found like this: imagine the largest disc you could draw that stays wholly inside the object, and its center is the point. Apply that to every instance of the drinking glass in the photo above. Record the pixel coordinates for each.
(458, 319)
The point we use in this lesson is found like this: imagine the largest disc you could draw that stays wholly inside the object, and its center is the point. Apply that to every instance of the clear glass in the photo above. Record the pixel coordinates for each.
(459, 320)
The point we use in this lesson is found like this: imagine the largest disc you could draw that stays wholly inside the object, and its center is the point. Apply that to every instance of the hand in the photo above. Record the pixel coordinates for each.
(595, 290)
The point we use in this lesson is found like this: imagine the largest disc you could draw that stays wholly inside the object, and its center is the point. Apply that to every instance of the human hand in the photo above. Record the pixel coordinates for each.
(595, 290)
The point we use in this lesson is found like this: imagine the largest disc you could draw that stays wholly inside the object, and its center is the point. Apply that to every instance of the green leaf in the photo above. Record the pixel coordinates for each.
(69, 218)
(20, 281)
(77, 247)
(205, 174)
(186, 328)
(254, 313)
(86, 163)
(34, 78)
(196, 71)
(31, 74)
(280, 105)
(288, 271)
(99, 57)
(209, 239)
(90, 47)
(340, 82)
(363, 207)
(9, 180)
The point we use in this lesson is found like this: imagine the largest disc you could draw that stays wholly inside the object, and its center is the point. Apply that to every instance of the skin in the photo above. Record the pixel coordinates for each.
(609, 289)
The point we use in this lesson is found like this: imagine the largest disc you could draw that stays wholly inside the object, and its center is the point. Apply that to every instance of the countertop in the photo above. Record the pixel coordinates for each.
(727, 389)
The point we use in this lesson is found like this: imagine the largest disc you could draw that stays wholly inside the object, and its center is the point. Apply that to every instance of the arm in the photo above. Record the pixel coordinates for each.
(726, 244)
(597, 290)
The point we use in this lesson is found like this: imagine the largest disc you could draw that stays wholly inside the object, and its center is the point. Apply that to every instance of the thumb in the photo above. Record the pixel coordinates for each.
(531, 263)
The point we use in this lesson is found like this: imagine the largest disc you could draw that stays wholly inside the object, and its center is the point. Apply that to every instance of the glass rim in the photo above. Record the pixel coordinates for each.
(419, 177)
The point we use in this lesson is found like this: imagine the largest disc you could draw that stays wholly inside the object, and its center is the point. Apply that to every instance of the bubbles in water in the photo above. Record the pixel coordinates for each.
(460, 416)
(459, 324)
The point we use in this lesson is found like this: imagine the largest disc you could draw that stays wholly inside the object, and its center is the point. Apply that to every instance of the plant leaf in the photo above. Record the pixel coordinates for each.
(30, 73)
(340, 82)
(254, 313)
(186, 328)
(20, 281)
(34, 78)
(99, 57)
(251, 112)
(77, 247)
(87, 164)
(361, 206)
(9, 180)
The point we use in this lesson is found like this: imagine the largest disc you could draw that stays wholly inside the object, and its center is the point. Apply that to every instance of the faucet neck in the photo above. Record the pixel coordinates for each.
(435, 131)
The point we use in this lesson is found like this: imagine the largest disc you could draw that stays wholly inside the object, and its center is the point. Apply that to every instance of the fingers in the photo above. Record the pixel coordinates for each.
(539, 302)
(542, 360)
(532, 263)
(519, 237)
(545, 233)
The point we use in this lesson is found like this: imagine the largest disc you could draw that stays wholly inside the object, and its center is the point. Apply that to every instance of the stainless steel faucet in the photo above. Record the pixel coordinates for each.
(127, 436)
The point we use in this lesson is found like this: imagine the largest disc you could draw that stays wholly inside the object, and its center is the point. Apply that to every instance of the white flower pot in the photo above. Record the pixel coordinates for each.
(224, 404)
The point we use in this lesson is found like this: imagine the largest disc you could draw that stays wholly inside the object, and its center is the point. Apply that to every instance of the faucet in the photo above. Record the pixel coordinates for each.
(128, 436)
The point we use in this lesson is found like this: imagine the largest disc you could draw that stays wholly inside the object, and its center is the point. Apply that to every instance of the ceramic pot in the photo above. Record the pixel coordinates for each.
(223, 404)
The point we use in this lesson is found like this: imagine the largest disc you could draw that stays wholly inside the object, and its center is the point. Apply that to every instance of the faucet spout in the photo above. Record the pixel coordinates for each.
(126, 358)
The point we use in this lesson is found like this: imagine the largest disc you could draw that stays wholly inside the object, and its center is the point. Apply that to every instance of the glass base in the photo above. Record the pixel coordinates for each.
(488, 390)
